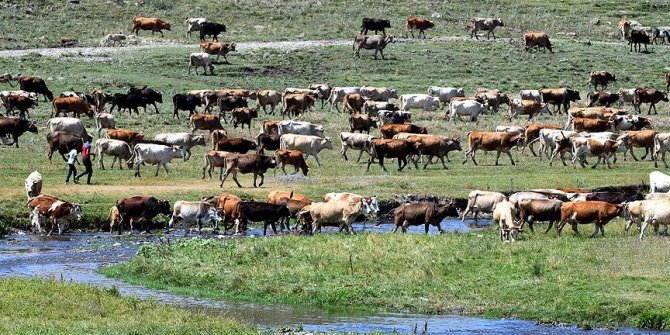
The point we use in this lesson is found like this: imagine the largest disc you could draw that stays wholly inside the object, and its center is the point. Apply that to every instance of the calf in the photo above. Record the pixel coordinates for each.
(197, 59)
(307, 144)
(486, 24)
(356, 142)
(599, 212)
(417, 22)
(492, 141)
(504, 215)
(291, 157)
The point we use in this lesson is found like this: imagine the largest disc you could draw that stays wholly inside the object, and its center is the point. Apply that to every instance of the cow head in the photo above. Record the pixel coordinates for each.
(165, 25)
(434, 104)
(163, 208)
(32, 126)
(389, 39)
(385, 23)
(499, 22)
(573, 95)
(454, 144)
(448, 209)
(198, 140)
(393, 93)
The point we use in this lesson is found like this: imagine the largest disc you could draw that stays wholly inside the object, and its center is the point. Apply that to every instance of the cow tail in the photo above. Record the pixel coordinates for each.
(657, 147)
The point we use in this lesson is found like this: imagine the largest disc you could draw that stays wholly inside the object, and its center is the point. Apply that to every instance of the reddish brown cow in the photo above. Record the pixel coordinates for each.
(436, 146)
(362, 123)
(149, 23)
(244, 116)
(55, 209)
(641, 139)
(540, 40)
(390, 148)
(204, 122)
(275, 196)
(422, 213)
(21, 103)
(390, 130)
(237, 145)
(291, 157)
(297, 103)
(584, 212)
(218, 49)
(140, 209)
(227, 205)
(601, 78)
(353, 102)
(650, 96)
(66, 105)
(127, 136)
(35, 84)
(15, 127)
(591, 125)
(417, 22)
(270, 127)
(492, 141)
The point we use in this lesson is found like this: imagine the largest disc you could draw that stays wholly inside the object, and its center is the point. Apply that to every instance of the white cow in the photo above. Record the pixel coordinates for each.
(157, 154)
(198, 212)
(658, 182)
(68, 124)
(194, 24)
(632, 212)
(307, 144)
(370, 204)
(104, 121)
(184, 140)
(423, 101)
(655, 212)
(518, 196)
(200, 59)
(373, 108)
(340, 213)
(33, 184)
(550, 143)
(113, 38)
(530, 95)
(661, 146)
(469, 108)
(116, 148)
(445, 94)
(482, 201)
(511, 129)
(387, 116)
(300, 128)
(354, 141)
(337, 95)
(626, 95)
(504, 214)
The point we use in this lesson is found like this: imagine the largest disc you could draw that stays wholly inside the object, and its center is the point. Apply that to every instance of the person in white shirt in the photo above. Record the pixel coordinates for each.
(71, 169)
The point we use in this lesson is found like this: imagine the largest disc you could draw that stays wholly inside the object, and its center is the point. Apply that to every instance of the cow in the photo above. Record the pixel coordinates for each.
(75, 105)
(530, 95)
(554, 142)
(268, 97)
(200, 59)
(390, 148)
(532, 210)
(602, 149)
(650, 96)
(211, 29)
(355, 142)
(637, 38)
(373, 42)
(36, 85)
(602, 98)
(194, 24)
(185, 102)
(63, 142)
(491, 141)
(632, 211)
(115, 148)
(323, 91)
(194, 211)
(654, 212)
(15, 127)
(662, 33)
(417, 22)
(291, 157)
(537, 39)
(468, 108)
(157, 154)
(299, 128)
(421, 213)
(128, 101)
(378, 93)
(661, 146)
(337, 95)
(275, 197)
(229, 103)
(149, 23)
(526, 107)
(641, 139)
(372, 108)
(504, 215)
(139, 208)
(559, 97)
(590, 125)
(340, 213)
(100, 99)
(353, 102)
(243, 116)
(424, 101)
(270, 214)
(510, 129)
(23, 104)
(128, 136)
(69, 125)
(659, 182)
(204, 122)
(237, 145)
(392, 117)
(482, 201)
(598, 212)
(362, 123)
(493, 99)
(267, 141)
(104, 121)
(56, 210)
(374, 24)
(214, 159)
(445, 94)
(370, 204)
(248, 163)
(601, 78)
(309, 145)
(436, 146)
(486, 24)
(33, 184)
(296, 103)
(390, 130)
(184, 140)
(218, 49)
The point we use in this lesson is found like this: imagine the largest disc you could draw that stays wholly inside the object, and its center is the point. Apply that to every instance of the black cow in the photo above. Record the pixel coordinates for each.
(185, 102)
(128, 101)
(35, 84)
(211, 29)
(63, 142)
(152, 96)
(612, 197)
(375, 24)
(228, 103)
(236, 144)
(637, 38)
(140, 209)
(267, 141)
(602, 98)
(15, 127)
(265, 212)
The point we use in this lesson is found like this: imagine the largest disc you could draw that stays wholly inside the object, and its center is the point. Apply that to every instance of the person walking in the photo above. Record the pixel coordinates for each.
(71, 169)
(86, 159)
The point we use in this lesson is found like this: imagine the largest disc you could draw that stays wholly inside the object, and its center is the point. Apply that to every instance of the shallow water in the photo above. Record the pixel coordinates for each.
(77, 256)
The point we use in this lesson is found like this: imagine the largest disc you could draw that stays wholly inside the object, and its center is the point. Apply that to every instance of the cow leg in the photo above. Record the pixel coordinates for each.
(381, 163)
(646, 153)
(262, 180)
(595, 233)
(316, 156)
(510, 157)
(559, 227)
(497, 156)
(632, 153)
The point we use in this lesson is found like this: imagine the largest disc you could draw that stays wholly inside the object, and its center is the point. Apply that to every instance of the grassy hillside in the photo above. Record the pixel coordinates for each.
(23, 21)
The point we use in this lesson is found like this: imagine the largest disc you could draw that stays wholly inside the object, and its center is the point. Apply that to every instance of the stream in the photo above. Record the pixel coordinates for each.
(76, 256)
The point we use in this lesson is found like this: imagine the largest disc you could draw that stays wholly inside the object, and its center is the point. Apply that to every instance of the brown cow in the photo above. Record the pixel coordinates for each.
(417, 22)
(243, 116)
(217, 135)
(35, 84)
(265, 141)
(270, 127)
(218, 49)
(236, 144)
(532, 134)
(421, 213)
(638, 37)
(149, 23)
(275, 196)
(227, 205)
(268, 97)
(526, 107)
(390, 130)
(75, 105)
(583, 212)
(140, 209)
(650, 96)
(248, 163)
(602, 98)
(390, 148)
(537, 39)
(436, 146)
(297, 103)
(21, 103)
(291, 157)
(353, 102)
(559, 97)
(641, 139)
(204, 122)
(63, 142)
(214, 159)
(591, 125)
(493, 99)
(55, 209)
(362, 122)
(532, 210)
(127, 136)
(600, 148)
(492, 141)
(16, 127)
(601, 78)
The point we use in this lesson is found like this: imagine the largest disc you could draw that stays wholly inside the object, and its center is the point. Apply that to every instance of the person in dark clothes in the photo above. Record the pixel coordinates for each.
(86, 159)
